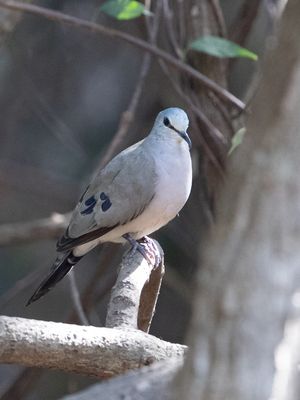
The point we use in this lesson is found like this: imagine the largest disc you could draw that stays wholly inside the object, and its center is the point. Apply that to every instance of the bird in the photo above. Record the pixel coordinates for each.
(140, 190)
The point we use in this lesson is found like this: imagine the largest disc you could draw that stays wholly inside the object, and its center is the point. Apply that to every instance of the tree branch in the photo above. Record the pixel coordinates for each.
(149, 298)
(97, 28)
(45, 228)
(128, 115)
(147, 383)
(242, 24)
(8, 22)
(22, 385)
(88, 350)
(75, 295)
(127, 307)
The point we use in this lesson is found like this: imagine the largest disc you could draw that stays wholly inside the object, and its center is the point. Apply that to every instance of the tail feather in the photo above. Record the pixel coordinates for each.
(61, 267)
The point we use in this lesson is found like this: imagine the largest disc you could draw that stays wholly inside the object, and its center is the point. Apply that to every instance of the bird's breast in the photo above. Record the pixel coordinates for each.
(174, 181)
(173, 186)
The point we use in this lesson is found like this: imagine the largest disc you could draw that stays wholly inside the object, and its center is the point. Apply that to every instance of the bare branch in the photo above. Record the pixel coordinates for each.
(22, 385)
(82, 349)
(99, 282)
(128, 115)
(170, 29)
(148, 383)
(217, 10)
(123, 307)
(46, 228)
(213, 130)
(97, 28)
(242, 25)
(76, 299)
(18, 286)
(124, 304)
(149, 298)
(8, 22)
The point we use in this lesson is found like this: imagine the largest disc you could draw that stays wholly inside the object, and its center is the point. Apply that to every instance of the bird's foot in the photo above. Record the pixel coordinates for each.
(154, 255)
(147, 248)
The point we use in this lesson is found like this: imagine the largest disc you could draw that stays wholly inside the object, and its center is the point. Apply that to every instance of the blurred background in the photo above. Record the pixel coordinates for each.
(63, 92)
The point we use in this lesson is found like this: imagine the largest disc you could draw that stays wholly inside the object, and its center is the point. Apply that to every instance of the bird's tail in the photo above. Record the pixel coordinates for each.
(60, 268)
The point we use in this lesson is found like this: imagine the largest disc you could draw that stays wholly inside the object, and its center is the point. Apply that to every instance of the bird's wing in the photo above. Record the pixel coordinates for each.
(117, 194)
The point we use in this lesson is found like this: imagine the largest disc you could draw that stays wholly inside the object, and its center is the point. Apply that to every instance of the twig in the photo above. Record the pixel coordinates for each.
(53, 123)
(170, 29)
(202, 117)
(227, 118)
(128, 115)
(215, 133)
(21, 284)
(76, 299)
(22, 385)
(215, 6)
(174, 281)
(106, 258)
(24, 178)
(46, 228)
(148, 383)
(243, 22)
(82, 349)
(97, 28)
(182, 26)
(8, 22)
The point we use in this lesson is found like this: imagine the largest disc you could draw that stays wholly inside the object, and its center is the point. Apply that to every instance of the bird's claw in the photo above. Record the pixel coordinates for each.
(147, 248)
(150, 248)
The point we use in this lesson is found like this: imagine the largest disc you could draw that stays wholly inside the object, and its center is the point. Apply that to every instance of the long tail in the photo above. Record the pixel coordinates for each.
(60, 268)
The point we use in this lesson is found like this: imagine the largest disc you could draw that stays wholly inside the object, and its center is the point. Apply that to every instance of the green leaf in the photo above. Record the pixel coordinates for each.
(219, 47)
(237, 140)
(123, 9)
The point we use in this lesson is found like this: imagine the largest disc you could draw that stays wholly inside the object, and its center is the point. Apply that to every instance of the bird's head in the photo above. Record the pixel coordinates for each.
(173, 121)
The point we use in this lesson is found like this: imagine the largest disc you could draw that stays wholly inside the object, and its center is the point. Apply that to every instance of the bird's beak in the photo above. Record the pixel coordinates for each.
(186, 137)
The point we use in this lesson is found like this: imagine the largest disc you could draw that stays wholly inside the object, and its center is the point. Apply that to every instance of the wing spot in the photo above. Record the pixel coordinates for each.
(88, 210)
(106, 205)
(103, 196)
(90, 204)
(106, 202)
(90, 201)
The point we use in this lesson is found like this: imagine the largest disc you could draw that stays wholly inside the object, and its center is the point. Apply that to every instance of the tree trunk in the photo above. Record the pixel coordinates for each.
(251, 266)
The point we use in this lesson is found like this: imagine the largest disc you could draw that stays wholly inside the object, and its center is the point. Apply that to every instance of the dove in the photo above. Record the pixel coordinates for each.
(135, 194)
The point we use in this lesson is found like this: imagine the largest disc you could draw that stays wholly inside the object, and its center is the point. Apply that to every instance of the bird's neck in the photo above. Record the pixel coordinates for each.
(166, 144)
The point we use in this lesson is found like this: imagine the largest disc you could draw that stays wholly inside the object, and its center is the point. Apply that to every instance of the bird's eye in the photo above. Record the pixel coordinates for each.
(167, 121)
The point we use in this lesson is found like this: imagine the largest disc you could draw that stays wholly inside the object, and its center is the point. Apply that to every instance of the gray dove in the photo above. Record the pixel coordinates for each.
(136, 193)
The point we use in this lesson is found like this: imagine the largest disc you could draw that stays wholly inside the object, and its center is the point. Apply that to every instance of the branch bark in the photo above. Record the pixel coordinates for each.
(127, 306)
(88, 350)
